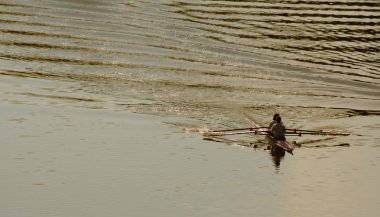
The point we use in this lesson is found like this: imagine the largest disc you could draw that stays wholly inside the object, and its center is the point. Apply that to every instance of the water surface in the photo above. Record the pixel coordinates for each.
(215, 64)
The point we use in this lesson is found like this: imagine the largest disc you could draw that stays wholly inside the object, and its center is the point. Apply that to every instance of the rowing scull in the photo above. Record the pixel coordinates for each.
(280, 143)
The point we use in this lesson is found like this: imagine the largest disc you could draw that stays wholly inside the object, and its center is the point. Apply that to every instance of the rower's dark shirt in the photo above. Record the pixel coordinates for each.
(278, 131)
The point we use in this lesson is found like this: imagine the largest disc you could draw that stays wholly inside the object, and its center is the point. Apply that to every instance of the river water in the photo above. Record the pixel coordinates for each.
(214, 64)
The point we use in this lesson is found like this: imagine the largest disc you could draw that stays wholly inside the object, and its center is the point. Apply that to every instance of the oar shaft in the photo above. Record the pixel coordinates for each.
(236, 133)
(239, 129)
(318, 133)
(248, 132)
(309, 131)
(315, 132)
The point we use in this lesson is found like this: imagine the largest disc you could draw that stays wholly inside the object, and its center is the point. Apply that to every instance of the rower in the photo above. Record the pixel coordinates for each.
(278, 129)
(273, 121)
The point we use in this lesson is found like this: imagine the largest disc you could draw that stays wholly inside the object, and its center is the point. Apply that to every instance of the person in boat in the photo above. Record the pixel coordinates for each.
(273, 121)
(278, 129)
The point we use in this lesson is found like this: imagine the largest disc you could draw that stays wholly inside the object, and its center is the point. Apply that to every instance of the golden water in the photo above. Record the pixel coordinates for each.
(214, 64)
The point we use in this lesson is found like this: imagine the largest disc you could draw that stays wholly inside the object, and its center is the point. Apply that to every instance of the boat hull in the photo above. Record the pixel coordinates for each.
(281, 144)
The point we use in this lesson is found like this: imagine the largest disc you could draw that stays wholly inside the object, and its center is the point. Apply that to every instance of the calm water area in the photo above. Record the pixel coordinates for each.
(103, 103)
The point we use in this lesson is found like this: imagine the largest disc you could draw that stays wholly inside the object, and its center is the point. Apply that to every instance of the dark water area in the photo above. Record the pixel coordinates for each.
(203, 65)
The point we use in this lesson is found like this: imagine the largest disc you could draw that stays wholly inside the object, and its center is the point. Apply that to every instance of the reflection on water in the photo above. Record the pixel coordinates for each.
(277, 155)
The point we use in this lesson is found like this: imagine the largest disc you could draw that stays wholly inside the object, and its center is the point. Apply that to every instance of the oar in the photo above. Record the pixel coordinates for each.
(235, 133)
(238, 129)
(317, 133)
(309, 131)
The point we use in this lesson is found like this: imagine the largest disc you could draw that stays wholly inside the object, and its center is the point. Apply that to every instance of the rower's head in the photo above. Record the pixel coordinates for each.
(275, 116)
(278, 119)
